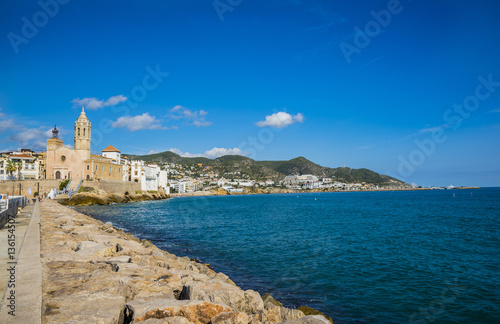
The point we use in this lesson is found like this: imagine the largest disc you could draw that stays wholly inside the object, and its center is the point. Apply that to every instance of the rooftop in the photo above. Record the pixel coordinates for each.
(111, 148)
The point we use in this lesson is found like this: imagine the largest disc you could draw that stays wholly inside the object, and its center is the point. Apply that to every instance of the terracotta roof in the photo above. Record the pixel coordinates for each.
(111, 148)
(21, 156)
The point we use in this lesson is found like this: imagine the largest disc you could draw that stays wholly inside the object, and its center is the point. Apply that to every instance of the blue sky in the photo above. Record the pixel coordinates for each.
(405, 88)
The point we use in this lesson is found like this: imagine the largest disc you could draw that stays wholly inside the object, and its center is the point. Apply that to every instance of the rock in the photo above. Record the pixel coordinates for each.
(222, 277)
(92, 271)
(85, 308)
(88, 249)
(168, 320)
(217, 291)
(275, 314)
(195, 311)
(267, 298)
(311, 319)
(310, 311)
(117, 198)
(290, 314)
(85, 199)
(231, 318)
(121, 259)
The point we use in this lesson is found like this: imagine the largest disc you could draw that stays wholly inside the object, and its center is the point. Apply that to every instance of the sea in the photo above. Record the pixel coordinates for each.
(360, 257)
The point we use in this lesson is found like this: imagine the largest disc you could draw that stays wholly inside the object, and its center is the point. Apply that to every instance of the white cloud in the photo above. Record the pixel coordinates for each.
(7, 124)
(94, 103)
(489, 112)
(32, 137)
(192, 118)
(144, 121)
(211, 154)
(281, 119)
(436, 128)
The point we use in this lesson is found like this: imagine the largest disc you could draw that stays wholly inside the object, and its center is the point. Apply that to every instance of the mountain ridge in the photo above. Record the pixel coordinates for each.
(275, 170)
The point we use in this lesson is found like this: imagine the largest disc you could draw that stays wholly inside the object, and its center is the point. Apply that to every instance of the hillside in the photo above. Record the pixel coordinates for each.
(276, 170)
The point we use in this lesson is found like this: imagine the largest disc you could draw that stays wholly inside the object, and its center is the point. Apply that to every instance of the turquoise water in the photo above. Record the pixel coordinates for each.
(360, 257)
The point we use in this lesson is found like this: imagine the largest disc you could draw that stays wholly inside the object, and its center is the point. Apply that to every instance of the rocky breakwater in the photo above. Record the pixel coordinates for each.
(100, 197)
(95, 273)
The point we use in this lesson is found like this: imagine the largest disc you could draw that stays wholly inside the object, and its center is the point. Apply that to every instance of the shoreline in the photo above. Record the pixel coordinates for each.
(100, 197)
(289, 191)
(88, 264)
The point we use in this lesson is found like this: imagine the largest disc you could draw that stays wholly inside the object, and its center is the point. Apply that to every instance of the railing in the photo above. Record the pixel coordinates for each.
(67, 186)
(72, 192)
(11, 205)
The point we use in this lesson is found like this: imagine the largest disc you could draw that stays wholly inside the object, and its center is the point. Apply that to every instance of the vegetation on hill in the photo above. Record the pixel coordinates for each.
(275, 170)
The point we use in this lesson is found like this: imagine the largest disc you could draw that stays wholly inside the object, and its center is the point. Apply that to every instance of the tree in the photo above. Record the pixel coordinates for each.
(19, 167)
(11, 167)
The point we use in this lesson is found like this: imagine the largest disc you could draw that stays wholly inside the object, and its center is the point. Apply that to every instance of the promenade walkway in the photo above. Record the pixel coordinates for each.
(27, 276)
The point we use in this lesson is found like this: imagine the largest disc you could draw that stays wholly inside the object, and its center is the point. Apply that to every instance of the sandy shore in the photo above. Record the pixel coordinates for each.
(95, 273)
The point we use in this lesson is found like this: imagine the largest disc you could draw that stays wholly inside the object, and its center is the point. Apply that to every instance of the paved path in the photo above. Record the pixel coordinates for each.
(28, 273)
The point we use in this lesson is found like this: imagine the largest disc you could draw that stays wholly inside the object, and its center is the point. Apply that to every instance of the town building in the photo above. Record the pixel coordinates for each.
(29, 165)
(66, 163)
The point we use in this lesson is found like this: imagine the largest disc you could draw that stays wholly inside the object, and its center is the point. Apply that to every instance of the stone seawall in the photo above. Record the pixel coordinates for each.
(95, 273)
(28, 187)
(113, 186)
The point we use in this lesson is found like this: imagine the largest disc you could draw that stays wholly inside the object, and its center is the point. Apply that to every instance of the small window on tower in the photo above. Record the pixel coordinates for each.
(78, 131)
(63, 158)
(84, 132)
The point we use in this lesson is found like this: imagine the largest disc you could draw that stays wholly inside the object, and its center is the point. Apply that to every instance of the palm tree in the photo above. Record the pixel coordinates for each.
(19, 166)
(10, 168)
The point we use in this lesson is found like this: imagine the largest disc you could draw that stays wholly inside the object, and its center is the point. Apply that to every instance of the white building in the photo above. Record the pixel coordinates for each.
(163, 181)
(187, 186)
(150, 176)
(222, 182)
(31, 164)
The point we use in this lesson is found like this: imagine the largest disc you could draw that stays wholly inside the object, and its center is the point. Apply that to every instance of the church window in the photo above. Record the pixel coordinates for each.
(88, 167)
(119, 170)
(96, 167)
(78, 131)
(84, 132)
(63, 158)
(102, 168)
(110, 169)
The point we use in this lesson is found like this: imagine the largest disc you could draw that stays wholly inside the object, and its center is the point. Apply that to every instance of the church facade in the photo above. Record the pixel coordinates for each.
(64, 162)
(77, 163)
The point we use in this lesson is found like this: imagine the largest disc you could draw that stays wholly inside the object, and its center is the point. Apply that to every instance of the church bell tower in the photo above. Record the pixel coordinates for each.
(82, 135)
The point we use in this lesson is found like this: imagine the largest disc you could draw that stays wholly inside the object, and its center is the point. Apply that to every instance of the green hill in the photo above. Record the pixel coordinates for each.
(238, 166)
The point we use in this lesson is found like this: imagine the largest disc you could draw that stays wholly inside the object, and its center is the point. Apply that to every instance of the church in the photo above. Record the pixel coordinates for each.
(78, 163)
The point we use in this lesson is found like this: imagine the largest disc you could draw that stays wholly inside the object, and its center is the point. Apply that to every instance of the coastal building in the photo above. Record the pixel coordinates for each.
(222, 182)
(77, 163)
(98, 167)
(150, 176)
(29, 165)
(114, 154)
(307, 180)
(64, 162)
